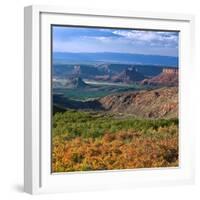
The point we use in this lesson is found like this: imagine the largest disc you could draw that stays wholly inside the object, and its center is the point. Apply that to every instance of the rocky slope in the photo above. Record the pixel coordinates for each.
(159, 103)
(168, 77)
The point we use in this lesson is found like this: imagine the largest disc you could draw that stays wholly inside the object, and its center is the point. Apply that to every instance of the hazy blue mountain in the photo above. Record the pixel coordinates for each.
(108, 57)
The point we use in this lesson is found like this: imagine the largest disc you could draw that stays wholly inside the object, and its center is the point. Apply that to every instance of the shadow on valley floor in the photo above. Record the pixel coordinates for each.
(60, 102)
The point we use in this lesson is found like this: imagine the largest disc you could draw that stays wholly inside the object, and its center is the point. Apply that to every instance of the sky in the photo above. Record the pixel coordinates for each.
(81, 39)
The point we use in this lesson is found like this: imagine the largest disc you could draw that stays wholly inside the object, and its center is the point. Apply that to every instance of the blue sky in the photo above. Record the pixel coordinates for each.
(78, 39)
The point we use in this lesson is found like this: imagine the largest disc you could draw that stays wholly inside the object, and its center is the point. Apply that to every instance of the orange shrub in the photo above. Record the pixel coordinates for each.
(121, 150)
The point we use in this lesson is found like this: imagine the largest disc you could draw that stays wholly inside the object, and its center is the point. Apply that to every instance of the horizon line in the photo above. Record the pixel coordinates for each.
(115, 52)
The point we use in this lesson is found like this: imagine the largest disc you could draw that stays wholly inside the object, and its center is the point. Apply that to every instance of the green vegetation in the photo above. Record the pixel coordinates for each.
(71, 124)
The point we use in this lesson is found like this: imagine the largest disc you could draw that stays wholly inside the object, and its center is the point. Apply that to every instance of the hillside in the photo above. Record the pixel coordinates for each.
(168, 77)
(159, 103)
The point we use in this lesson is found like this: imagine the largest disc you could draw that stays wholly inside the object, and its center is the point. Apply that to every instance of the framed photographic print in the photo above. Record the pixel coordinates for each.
(107, 99)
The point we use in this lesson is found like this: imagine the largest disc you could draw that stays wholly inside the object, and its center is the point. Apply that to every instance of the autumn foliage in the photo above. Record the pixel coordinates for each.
(85, 141)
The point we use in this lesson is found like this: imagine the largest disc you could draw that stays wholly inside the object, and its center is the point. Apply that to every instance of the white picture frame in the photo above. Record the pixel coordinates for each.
(37, 138)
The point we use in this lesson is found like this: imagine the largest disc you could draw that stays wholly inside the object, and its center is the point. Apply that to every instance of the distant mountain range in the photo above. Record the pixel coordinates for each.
(72, 76)
(104, 71)
(109, 57)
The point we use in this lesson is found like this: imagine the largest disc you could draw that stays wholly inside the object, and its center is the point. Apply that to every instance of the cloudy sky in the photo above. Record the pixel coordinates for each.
(72, 39)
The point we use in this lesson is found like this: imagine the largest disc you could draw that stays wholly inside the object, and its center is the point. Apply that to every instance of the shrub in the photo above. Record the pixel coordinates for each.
(97, 141)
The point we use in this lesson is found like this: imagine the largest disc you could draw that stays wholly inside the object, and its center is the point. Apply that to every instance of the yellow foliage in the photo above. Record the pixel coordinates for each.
(121, 150)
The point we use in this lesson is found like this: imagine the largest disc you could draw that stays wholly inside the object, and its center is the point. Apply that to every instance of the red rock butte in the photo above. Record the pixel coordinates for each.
(170, 70)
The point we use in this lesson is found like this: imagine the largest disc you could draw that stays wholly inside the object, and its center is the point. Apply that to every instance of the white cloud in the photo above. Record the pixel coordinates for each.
(102, 38)
(154, 37)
